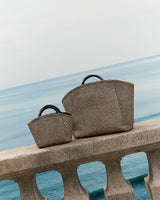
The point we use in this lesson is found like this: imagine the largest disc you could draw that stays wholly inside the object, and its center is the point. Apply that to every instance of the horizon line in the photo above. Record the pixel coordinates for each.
(76, 73)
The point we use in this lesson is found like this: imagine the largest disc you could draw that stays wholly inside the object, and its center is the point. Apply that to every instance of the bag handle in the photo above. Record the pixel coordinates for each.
(89, 76)
(49, 106)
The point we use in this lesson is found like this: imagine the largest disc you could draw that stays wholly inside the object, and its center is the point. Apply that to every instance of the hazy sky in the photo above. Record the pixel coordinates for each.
(44, 39)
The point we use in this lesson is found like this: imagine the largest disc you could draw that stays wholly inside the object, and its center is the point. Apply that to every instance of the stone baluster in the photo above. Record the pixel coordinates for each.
(73, 189)
(152, 181)
(116, 187)
(28, 188)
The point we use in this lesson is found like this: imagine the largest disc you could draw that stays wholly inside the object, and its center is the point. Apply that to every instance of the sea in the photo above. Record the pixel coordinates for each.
(19, 105)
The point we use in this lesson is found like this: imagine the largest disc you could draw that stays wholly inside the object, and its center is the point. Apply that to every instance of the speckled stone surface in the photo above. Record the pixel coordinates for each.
(28, 188)
(144, 136)
(73, 190)
(26, 161)
(116, 188)
(152, 181)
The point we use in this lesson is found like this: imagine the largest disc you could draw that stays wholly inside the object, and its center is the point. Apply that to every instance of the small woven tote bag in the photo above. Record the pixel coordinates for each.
(101, 107)
(51, 129)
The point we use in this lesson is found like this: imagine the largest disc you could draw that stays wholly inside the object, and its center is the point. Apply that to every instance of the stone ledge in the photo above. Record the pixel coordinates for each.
(143, 137)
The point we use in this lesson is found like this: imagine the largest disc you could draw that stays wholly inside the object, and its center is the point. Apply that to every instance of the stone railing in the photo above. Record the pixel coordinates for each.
(23, 163)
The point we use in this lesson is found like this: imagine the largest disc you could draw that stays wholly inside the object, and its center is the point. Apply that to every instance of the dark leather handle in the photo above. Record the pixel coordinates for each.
(89, 76)
(49, 106)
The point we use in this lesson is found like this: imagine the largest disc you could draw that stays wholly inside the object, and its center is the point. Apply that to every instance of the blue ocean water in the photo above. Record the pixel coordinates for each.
(20, 105)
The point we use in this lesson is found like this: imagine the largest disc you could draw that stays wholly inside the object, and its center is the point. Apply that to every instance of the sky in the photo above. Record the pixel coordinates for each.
(46, 39)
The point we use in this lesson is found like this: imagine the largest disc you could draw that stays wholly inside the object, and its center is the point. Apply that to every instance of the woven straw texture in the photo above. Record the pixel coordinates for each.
(101, 107)
(51, 129)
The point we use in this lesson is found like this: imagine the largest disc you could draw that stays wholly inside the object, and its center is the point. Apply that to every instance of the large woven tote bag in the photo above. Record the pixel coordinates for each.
(101, 107)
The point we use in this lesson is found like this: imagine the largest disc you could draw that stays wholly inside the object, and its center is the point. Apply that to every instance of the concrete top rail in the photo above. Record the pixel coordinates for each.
(144, 136)
(22, 164)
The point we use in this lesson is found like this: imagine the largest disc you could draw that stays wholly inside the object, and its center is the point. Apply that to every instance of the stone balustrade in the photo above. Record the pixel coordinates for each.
(22, 164)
